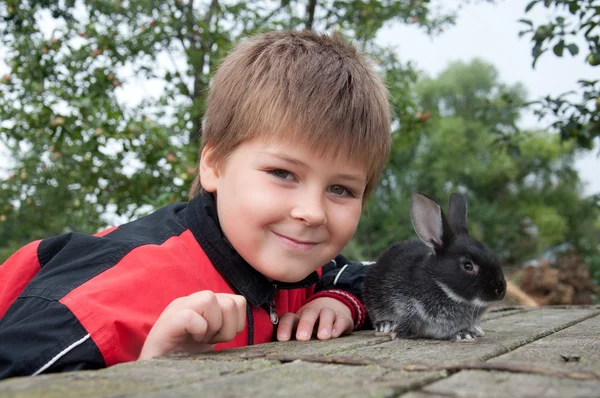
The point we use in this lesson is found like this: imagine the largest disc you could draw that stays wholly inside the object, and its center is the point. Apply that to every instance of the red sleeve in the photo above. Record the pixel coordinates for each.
(16, 272)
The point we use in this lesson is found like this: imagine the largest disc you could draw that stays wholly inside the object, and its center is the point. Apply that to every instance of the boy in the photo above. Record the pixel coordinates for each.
(297, 132)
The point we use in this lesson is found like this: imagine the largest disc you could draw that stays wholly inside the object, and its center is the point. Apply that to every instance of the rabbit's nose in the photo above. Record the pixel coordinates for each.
(500, 289)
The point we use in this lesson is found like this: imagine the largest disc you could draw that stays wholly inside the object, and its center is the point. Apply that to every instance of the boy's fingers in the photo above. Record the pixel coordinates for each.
(306, 324)
(167, 335)
(230, 315)
(326, 319)
(206, 304)
(240, 302)
(286, 326)
(239, 310)
(193, 321)
(342, 325)
(194, 324)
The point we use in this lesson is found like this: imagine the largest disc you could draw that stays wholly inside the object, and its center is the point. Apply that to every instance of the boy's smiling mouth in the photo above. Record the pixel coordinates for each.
(296, 243)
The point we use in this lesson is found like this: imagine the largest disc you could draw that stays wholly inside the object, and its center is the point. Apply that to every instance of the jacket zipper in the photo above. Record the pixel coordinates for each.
(272, 309)
(273, 313)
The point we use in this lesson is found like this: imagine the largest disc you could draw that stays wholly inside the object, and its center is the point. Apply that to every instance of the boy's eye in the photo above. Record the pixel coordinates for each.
(340, 190)
(283, 174)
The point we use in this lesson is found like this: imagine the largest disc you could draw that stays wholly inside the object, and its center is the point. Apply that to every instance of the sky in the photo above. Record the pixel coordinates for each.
(490, 32)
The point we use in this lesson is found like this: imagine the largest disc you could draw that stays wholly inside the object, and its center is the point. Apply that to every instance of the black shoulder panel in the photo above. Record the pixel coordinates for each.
(54, 342)
(72, 259)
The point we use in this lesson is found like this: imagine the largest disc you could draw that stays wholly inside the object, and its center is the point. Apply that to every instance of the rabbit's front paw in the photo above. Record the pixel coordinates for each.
(384, 328)
(477, 331)
(464, 335)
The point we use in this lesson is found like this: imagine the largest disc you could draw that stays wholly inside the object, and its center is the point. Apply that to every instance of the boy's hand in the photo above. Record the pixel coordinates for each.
(195, 323)
(334, 319)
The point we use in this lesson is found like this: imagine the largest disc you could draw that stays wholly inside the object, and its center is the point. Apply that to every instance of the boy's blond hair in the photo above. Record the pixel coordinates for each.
(307, 88)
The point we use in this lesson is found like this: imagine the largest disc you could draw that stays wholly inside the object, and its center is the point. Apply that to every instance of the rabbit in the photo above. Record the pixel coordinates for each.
(437, 287)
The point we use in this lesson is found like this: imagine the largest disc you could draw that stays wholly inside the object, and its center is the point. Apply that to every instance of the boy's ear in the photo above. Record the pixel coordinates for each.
(209, 173)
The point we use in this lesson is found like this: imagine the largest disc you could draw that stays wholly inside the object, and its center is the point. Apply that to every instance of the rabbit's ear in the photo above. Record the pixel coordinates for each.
(458, 214)
(427, 219)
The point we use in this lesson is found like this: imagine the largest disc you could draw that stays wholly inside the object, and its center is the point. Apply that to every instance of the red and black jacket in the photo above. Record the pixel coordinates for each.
(80, 301)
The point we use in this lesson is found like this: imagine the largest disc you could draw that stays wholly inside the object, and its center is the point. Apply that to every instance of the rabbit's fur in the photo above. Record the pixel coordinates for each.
(437, 287)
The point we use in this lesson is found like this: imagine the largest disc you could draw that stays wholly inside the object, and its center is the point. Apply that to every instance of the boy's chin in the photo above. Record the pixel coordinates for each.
(286, 277)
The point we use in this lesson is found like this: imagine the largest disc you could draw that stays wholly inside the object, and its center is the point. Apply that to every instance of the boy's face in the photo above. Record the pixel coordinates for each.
(285, 211)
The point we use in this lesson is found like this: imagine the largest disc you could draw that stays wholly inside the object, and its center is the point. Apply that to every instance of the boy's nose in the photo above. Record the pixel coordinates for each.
(310, 211)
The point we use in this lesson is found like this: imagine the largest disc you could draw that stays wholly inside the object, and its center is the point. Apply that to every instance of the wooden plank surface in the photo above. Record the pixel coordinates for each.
(501, 384)
(127, 379)
(502, 312)
(528, 338)
(502, 335)
(576, 348)
(573, 351)
(304, 379)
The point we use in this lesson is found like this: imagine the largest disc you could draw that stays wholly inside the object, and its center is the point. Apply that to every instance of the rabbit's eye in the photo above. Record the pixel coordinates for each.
(469, 266)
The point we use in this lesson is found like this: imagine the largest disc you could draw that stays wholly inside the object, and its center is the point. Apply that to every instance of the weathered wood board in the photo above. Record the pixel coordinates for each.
(526, 352)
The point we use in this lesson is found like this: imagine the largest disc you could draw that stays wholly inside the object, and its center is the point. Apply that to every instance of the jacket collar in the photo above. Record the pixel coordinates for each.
(202, 219)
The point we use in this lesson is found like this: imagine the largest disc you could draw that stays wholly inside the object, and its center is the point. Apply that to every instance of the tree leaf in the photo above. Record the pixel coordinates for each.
(526, 21)
(573, 7)
(524, 32)
(573, 49)
(530, 5)
(559, 48)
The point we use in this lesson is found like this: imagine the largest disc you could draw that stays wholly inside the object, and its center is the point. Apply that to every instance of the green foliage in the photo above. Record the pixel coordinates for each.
(82, 150)
(521, 198)
(573, 19)
(593, 261)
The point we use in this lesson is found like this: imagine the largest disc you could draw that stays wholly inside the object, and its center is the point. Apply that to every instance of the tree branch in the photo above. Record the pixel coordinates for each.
(310, 11)
(179, 76)
(204, 48)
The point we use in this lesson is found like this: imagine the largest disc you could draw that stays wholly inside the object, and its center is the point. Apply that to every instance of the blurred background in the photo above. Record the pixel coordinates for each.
(101, 106)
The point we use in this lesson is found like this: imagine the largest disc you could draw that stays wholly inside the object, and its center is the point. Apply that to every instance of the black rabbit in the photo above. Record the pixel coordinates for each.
(437, 287)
